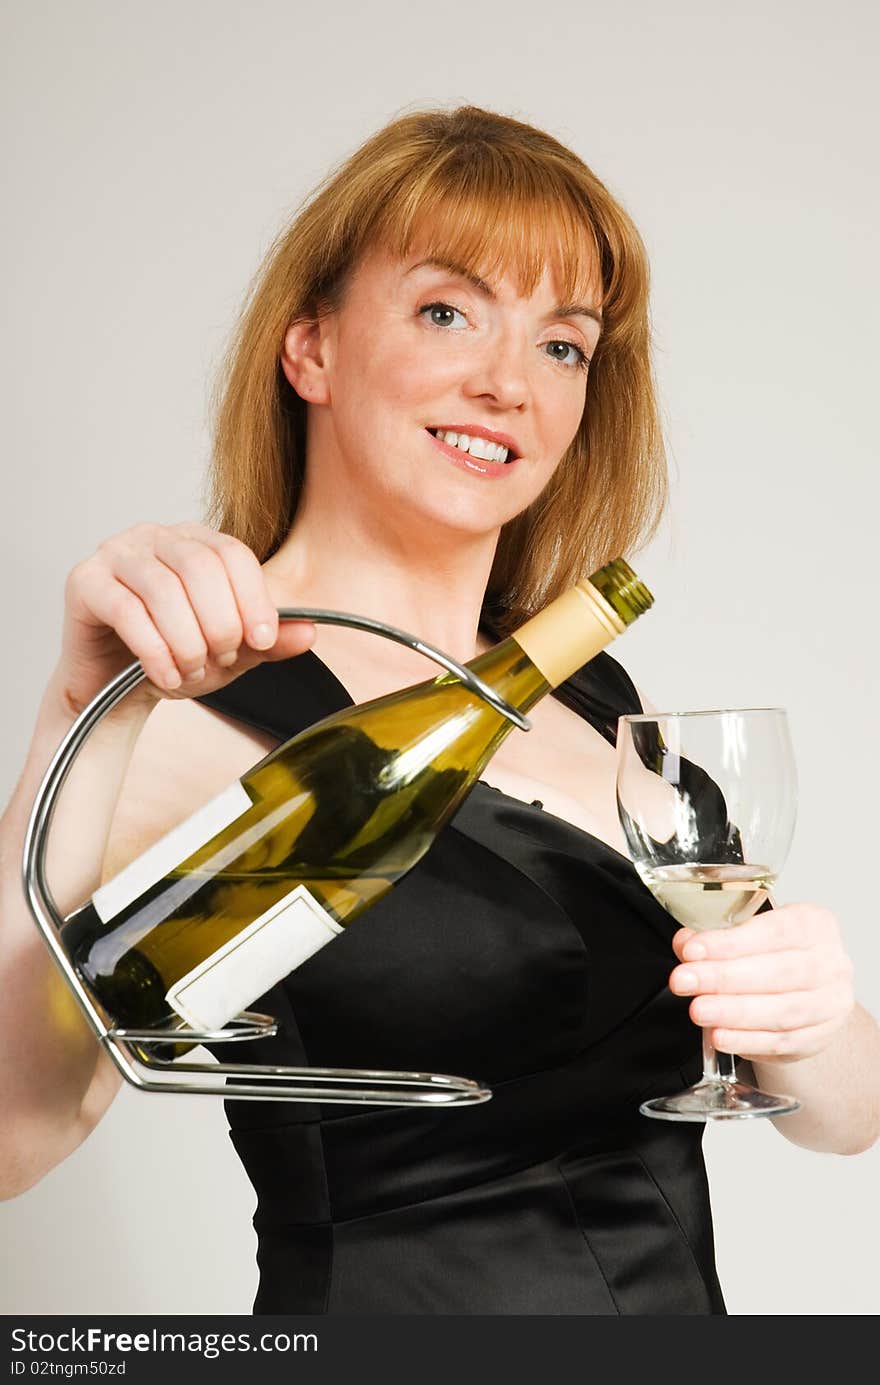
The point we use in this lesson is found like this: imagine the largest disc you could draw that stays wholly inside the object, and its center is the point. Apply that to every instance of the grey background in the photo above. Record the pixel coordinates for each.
(151, 155)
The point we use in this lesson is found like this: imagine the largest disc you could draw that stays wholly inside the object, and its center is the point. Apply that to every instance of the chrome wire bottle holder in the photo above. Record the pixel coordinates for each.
(242, 1081)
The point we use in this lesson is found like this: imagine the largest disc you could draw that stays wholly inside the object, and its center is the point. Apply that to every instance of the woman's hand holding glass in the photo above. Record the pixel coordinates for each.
(773, 990)
(707, 801)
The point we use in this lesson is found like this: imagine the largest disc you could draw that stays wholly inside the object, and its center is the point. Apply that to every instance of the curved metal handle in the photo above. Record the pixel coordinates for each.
(266, 1082)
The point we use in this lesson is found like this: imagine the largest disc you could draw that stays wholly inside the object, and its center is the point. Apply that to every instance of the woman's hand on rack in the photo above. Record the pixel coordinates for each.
(190, 603)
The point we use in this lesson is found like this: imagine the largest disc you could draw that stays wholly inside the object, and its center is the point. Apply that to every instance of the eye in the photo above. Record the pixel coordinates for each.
(442, 315)
(567, 354)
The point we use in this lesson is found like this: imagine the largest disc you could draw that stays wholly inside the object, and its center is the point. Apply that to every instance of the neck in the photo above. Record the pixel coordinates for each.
(427, 581)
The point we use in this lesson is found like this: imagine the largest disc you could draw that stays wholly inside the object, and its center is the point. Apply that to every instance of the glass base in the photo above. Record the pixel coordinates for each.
(718, 1100)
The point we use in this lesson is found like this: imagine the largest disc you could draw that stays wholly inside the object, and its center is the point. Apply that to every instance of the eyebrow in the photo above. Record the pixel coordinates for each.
(564, 309)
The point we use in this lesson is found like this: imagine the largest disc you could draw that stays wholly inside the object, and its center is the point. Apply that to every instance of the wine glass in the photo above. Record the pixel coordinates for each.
(707, 801)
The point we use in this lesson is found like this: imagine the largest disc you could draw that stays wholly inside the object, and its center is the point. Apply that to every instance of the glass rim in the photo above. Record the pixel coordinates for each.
(701, 712)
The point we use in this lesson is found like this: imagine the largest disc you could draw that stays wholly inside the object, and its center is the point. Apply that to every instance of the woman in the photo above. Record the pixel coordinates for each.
(440, 412)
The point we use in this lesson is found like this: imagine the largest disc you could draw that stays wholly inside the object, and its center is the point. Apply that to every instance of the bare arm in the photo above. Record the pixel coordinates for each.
(55, 1083)
(839, 1090)
(194, 607)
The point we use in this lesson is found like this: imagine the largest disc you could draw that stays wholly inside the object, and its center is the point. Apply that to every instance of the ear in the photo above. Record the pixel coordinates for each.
(304, 360)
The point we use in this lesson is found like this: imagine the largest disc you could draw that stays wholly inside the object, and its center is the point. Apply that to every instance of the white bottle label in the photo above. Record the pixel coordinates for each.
(169, 851)
(282, 938)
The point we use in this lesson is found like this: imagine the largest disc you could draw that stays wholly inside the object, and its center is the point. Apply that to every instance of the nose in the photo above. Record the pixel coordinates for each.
(500, 376)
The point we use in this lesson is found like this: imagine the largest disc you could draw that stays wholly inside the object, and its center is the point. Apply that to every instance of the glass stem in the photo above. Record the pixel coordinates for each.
(717, 1066)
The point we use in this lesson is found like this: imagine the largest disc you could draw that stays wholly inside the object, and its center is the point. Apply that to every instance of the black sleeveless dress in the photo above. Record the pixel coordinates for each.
(521, 951)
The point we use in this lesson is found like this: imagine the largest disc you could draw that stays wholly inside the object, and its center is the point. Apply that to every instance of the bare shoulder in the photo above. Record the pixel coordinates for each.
(185, 754)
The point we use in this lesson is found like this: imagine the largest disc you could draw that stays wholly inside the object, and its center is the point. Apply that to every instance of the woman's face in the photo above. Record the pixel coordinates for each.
(442, 396)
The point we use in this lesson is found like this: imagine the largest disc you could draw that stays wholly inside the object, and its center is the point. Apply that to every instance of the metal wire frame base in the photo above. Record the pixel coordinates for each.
(241, 1081)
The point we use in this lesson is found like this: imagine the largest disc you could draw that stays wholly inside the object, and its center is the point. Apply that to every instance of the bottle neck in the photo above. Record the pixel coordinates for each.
(550, 646)
(569, 632)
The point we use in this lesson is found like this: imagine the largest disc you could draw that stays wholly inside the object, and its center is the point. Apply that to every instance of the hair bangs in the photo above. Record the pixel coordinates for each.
(494, 218)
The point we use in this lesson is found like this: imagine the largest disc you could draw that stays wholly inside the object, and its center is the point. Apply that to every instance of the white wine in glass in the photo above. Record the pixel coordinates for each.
(707, 801)
(718, 896)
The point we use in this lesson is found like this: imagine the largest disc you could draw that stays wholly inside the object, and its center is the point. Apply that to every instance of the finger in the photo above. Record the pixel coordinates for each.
(679, 940)
(771, 972)
(782, 1045)
(165, 598)
(123, 611)
(768, 1012)
(247, 582)
(777, 930)
(206, 583)
(256, 605)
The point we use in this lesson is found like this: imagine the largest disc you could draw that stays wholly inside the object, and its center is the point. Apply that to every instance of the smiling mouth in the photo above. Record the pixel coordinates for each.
(481, 448)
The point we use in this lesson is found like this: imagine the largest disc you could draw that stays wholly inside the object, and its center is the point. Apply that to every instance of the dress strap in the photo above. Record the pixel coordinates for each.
(281, 698)
(600, 691)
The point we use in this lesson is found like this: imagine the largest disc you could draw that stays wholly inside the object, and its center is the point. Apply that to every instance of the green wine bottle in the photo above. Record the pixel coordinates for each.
(275, 866)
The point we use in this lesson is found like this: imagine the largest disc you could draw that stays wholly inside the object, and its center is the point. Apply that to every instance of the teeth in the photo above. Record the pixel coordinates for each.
(477, 447)
(485, 450)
